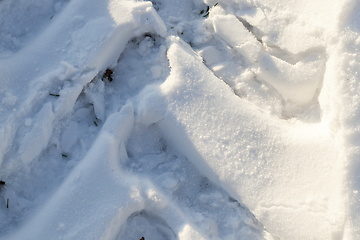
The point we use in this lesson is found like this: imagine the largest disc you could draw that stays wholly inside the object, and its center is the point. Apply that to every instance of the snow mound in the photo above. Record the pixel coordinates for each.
(277, 169)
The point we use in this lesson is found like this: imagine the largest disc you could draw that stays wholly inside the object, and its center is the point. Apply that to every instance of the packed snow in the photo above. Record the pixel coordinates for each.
(192, 119)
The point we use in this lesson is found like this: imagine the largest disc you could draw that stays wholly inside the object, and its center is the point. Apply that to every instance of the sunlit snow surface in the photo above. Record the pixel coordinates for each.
(189, 119)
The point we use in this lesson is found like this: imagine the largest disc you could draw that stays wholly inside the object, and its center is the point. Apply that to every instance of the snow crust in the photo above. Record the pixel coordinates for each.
(298, 82)
(208, 119)
(237, 36)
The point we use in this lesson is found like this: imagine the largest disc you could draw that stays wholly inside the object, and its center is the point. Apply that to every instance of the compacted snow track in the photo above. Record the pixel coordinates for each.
(229, 119)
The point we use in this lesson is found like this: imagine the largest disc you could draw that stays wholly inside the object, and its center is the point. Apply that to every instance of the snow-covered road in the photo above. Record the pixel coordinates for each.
(192, 119)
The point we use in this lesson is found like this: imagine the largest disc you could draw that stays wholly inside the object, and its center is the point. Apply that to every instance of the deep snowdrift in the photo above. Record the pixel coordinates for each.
(208, 119)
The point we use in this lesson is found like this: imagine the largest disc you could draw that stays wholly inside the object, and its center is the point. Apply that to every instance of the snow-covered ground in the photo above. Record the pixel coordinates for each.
(180, 119)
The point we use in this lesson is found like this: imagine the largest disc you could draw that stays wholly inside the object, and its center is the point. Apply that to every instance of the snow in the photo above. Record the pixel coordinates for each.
(232, 31)
(250, 158)
(229, 119)
(298, 82)
(211, 55)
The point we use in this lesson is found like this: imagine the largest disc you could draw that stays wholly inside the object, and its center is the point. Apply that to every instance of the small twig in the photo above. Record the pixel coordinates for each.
(209, 9)
(55, 95)
(7, 203)
(64, 155)
(95, 123)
